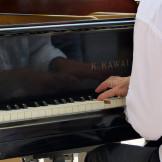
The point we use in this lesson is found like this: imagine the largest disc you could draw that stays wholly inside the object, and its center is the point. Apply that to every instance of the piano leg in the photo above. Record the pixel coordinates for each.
(63, 158)
(72, 155)
(53, 158)
(29, 159)
(81, 156)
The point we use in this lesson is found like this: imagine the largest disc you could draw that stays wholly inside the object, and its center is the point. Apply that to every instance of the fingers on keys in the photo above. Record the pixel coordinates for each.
(107, 94)
(104, 86)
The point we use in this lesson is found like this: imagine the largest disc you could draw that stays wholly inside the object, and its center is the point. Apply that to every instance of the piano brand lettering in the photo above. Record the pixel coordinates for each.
(110, 65)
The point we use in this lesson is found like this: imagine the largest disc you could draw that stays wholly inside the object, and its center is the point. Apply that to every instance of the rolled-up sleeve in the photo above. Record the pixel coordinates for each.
(42, 51)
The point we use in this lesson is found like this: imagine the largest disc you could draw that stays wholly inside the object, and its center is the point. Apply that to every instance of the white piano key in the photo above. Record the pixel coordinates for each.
(94, 105)
(6, 116)
(100, 105)
(13, 115)
(88, 106)
(28, 114)
(41, 112)
(56, 110)
(48, 111)
(20, 114)
(59, 110)
(77, 106)
(34, 113)
(1, 116)
(67, 109)
(82, 107)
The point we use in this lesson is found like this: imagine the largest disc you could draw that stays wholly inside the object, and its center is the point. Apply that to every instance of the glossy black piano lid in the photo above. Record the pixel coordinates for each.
(91, 57)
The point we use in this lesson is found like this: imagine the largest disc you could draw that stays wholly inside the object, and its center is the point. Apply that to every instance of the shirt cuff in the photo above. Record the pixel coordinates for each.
(42, 59)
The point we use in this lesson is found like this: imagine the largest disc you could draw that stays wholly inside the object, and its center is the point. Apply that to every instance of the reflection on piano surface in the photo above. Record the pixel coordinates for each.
(55, 108)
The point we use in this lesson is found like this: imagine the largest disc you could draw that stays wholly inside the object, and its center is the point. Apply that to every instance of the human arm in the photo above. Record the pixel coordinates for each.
(45, 56)
(27, 83)
(82, 70)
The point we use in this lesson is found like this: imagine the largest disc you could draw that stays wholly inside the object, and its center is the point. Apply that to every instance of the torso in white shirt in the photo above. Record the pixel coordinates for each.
(144, 100)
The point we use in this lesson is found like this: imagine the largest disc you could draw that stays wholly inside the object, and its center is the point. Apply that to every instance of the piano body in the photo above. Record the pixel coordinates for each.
(64, 114)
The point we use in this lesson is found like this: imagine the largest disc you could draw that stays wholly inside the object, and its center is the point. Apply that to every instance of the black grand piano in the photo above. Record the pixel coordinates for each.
(55, 109)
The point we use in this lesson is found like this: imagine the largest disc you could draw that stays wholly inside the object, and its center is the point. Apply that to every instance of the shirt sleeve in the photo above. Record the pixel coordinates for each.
(42, 51)
(144, 100)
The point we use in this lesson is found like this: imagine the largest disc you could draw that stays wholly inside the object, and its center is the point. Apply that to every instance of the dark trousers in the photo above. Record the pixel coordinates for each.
(123, 153)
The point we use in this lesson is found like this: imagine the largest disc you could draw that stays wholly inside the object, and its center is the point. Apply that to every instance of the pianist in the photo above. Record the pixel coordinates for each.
(33, 66)
(144, 106)
(34, 51)
(24, 65)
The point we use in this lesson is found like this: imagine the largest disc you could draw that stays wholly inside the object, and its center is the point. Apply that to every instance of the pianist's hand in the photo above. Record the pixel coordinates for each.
(113, 86)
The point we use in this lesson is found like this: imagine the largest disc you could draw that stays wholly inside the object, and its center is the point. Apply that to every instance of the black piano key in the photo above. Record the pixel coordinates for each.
(24, 106)
(82, 99)
(8, 107)
(63, 101)
(56, 102)
(28, 104)
(17, 106)
(71, 100)
(90, 98)
(47, 102)
(44, 103)
(36, 104)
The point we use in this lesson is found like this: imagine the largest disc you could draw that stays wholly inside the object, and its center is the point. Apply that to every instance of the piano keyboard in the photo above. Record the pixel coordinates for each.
(49, 110)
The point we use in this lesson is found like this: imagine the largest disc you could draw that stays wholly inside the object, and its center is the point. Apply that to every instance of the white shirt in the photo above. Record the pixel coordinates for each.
(144, 100)
(35, 51)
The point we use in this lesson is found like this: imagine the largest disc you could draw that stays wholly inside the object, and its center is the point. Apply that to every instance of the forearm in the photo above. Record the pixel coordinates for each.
(79, 69)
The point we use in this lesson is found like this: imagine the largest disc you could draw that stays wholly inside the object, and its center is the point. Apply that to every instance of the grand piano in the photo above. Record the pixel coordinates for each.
(56, 109)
